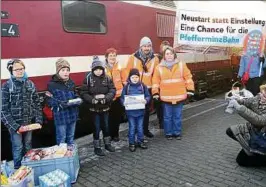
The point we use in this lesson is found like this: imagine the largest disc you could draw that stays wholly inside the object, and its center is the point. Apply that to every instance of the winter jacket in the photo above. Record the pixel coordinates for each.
(253, 112)
(94, 85)
(20, 104)
(135, 89)
(115, 74)
(172, 84)
(255, 68)
(62, 92)
(135, 61)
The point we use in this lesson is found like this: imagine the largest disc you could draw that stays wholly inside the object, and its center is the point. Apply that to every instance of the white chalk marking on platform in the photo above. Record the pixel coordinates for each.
(205, 111)
(192, 106)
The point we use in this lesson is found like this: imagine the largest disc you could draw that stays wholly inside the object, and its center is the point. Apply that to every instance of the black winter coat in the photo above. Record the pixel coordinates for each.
(94, 85)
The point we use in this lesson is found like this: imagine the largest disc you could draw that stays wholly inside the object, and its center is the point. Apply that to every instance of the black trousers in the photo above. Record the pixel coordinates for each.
(159, 112)
(253, 85)
(147, 117)
(250, 161)
(245, 160)
(115, 116)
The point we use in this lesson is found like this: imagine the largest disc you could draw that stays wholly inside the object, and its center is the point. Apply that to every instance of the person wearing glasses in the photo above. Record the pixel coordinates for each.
(20, 106)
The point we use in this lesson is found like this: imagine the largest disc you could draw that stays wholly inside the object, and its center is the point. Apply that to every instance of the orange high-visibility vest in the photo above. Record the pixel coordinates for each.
(172, 85)
(115, 74)
(146, 77)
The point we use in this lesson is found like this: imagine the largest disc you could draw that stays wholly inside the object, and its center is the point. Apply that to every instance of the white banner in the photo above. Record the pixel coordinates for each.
(217, 29)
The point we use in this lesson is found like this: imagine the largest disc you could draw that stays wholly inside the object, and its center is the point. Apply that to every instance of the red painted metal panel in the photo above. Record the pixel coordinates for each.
(42, 33)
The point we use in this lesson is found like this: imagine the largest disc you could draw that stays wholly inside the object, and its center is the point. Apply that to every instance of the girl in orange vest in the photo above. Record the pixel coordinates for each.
(171, 82)
(113, 69)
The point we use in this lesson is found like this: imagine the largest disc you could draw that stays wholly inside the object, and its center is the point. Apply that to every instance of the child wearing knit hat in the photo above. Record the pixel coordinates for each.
(64, 102)
(98, 92)
(135, 116)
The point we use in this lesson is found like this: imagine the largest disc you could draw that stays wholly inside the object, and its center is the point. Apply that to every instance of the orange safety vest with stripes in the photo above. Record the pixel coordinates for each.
(115, 74)
(172, 85)
(146, 77)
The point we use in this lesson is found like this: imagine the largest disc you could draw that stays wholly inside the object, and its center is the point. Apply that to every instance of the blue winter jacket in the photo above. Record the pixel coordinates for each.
(254, 68)
(20, 104)
(135, 89)
(62, 92)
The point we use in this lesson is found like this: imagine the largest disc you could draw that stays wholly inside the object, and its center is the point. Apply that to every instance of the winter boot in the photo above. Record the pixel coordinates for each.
(97, 148)
(108, 145)
(132, 147)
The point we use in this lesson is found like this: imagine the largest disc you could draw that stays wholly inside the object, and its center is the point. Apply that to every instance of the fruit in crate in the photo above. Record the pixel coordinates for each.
(30, 127)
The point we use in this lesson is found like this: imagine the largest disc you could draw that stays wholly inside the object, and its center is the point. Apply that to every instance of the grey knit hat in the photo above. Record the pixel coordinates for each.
(97, 64)
(145, 41)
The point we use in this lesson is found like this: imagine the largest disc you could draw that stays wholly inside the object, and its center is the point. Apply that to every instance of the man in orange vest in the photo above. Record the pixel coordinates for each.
(145, 61)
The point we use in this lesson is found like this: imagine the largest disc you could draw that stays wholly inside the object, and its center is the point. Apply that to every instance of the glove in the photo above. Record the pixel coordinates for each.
(94, 101)
(156, 96)
(234, 104)
(103, 101)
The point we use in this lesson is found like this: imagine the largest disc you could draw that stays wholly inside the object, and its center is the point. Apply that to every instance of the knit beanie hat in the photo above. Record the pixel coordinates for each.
(145, 41)
(97, 64)
(133, 71)
(61, 63)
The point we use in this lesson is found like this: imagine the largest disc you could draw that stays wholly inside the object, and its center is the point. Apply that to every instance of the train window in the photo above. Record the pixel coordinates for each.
(165, 25)
(83, 16)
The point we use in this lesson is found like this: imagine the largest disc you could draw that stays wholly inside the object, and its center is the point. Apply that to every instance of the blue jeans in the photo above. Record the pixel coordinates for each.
(65, 133)
(20, 141)
(172, 118)
(100, 123)
(135, 124)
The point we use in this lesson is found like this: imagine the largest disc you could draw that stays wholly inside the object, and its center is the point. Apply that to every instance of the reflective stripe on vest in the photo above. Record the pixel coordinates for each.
(184, 96)
(172, 81)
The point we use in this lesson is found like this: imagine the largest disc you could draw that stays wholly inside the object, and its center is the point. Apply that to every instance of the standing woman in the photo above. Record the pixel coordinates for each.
(172, 81)
(20, 106)
(113, 69)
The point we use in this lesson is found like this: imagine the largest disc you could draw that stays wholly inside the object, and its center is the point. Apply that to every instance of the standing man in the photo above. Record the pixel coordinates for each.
(145, 61)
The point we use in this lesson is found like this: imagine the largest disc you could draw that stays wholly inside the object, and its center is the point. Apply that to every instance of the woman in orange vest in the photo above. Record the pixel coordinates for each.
(172, 82)
(113, 69)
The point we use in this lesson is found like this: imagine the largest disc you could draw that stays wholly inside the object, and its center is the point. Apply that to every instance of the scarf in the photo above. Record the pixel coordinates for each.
(22, 79)
(169, 64)
(145, 57)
